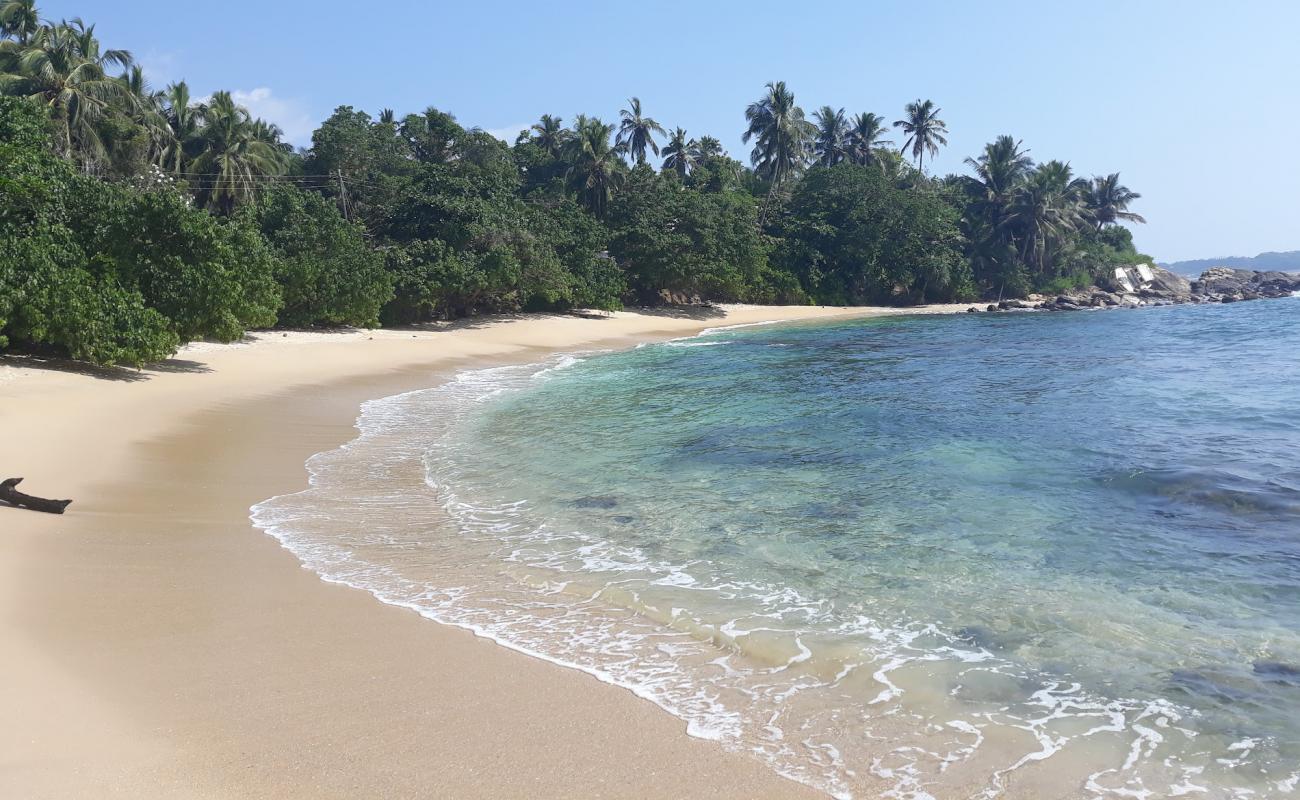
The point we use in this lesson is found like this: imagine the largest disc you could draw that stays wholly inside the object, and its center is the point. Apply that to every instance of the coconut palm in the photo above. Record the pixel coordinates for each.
(866, 134)
(19, 20)
(636, 131)
(781, 137)
(62, 68)
(832, 142)
(183, 120)
(549, 134)
(595, 168)
(925, 131)
(432, 135)
(999, 170)
(387, 117)
(235, 153)
(1107, 201)
(147, 109)
(681, 155)
(709, 147)
(1044, 210)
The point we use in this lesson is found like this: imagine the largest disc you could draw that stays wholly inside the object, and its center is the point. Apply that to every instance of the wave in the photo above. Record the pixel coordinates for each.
(826, 693)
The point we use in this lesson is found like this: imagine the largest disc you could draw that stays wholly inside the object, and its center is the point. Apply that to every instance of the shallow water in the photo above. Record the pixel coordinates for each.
(968, 556)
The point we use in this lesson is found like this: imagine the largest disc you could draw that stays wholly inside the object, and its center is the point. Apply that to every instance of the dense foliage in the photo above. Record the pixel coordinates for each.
(133, 220)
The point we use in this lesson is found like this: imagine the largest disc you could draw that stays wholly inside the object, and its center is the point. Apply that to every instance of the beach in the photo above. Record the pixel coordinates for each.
(157, 644)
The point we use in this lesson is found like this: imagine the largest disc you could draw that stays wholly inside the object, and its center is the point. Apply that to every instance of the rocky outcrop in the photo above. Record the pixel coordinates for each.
(1153, 286)
(1223, 284)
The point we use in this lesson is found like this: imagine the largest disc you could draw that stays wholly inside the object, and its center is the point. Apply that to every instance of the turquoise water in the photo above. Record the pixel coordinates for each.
(964, 556)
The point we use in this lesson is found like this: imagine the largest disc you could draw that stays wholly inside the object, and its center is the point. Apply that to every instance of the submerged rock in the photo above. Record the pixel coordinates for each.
(1278, 672)
(596, 501)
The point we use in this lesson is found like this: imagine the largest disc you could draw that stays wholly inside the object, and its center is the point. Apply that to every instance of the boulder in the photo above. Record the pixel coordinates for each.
(1169, 285)
(1224, 281)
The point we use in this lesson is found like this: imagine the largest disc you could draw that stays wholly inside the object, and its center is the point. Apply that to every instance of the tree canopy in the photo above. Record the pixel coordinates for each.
(134, 219)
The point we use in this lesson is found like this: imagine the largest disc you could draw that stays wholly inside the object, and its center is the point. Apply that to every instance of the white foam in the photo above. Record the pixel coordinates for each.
(697, 669)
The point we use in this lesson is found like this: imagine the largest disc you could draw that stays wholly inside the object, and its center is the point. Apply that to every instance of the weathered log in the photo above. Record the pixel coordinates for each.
(10, 495)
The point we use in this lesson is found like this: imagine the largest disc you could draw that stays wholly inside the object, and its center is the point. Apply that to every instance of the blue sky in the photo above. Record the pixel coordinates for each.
(1197, 104)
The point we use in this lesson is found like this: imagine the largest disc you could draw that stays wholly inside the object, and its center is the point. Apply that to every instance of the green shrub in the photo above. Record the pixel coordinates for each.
(327, 272)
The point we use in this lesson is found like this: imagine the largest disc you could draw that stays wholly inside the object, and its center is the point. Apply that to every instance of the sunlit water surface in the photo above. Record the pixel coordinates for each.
(969, 556)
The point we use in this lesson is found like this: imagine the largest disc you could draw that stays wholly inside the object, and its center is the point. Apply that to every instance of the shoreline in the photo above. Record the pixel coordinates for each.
(155, 647)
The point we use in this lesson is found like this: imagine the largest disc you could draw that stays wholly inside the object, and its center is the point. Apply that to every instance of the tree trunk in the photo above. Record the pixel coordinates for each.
(10, 495)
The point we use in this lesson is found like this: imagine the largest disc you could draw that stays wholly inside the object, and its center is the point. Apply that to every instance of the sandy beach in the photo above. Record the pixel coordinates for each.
(155, 644)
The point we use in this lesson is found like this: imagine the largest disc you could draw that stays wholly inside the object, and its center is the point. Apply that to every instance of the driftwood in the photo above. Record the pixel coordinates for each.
(10, 495)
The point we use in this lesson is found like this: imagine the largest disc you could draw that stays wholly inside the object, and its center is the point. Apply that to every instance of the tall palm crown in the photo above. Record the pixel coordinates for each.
(183, 120)
(62, 67)
(549, 134)
(709, 147)
(1001, 168)
(781, 135)
(832, 143)
(681, 155)
(866, 133)
(925, 131)
(1044, 210)
(146, 109)
(19, 19)
(636, 131)
(1107, 201)
(235, 154)
(595, 168)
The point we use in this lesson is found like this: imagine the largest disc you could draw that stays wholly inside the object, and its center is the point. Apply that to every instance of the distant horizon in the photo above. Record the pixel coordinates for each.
(1096, 88)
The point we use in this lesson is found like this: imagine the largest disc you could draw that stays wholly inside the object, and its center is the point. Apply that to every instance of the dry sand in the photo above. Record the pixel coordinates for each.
(154, 644)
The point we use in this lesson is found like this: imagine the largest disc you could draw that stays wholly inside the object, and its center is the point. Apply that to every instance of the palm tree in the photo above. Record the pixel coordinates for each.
(182, 119)
(1045, 210)
(832, 144)
(432, 135)
(925, 131)
(549, 134)
(636, 131)
(387, 117)
(709, 147)
(781, 136)
(146, 109)
(999, 172)
(62, 68)
(595, 169)
(19, 19)
(236, 153)
(1107, 201)
(680, 154)
(866, 133)
(1001, 168)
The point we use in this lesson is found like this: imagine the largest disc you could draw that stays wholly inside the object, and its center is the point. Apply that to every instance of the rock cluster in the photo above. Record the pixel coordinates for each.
(1216, 285)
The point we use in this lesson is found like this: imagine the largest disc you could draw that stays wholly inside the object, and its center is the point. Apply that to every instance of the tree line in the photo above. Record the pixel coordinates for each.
(134, 219)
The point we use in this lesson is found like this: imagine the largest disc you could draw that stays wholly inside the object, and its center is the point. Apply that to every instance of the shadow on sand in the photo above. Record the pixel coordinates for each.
(125, 374)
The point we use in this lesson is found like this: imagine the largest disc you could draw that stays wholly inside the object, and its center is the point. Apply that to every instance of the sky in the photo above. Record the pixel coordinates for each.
(1195, 103)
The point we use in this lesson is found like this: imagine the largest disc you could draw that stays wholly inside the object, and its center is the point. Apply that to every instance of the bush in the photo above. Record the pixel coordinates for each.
(113, 274)
(327, 272)
(49, 292)
(854, 237)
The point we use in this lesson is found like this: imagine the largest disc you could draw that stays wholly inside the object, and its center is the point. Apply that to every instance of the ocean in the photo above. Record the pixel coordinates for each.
(981, 555)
